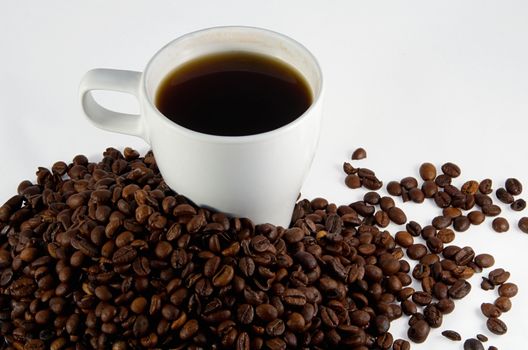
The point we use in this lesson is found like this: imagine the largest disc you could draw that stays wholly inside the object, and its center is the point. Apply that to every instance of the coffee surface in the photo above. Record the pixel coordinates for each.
(233, 94)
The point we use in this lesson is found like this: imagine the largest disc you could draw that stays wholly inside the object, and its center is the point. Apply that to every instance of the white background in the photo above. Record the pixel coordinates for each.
(410, 81)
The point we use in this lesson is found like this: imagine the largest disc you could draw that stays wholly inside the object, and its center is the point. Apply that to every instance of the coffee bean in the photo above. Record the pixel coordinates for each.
(349, 169)
(461, 224)
(498, 276)
(490, 310)
(418, 331)
(500, 225)
(429, 188)
(397, 216)
(404, 239)
(491, 210)
(486, 284)
(409, 183)
(353, 181)
(473, 344)
(433, 316)
(452, 335)
(476, 217)
(427, 171)
(504, 196)
(503, 304)
(416, 195)
(442, 199)
(482, 338)
(416, 251)
(484, 260)
(513, 186)
(386, 203)
(523, 224)
(508, 290)
(496, 326)
(459, 289)
(401, 344)
(451, 170)
(485, 186)
(394, 188)
(518, 205)
(359, 153)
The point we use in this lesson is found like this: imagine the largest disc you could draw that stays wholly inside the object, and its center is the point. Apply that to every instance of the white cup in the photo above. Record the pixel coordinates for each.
(256, 176)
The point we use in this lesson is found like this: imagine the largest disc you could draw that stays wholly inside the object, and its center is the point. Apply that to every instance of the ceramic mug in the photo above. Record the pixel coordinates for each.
(257, 176)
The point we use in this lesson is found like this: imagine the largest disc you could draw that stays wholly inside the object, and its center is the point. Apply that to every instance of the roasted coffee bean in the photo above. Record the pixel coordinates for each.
(500, 225)
(491, 210)
(496, 326)
(353, 181)
(476, 217)
(416, 195)
(359, 153)
(508, 290)
(518, 205)
(404, 239)
(523, 224)
(427, 171)
(418, 331)
(451, 169)
(397, 216)
(513, 186)
(504, 196)
(416, 251)
(394, 188)
(473, 344)
(485, 186)
(498, 276)
(459, 289)
(401, 344)
(484, 260)
(452, 335)
(482, 338)
(461, 224)
(349, 169)
(470, 187)
(409, 183)
(442, 199)
(504, 304)
(490, 310)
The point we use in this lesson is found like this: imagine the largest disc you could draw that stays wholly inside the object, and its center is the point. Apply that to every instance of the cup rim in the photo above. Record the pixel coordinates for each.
(235, 139)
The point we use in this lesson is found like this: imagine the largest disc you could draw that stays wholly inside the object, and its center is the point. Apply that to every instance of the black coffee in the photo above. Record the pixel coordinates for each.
(233, 94)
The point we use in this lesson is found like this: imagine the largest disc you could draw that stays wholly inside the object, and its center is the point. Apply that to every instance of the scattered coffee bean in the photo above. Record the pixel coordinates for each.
(498, 276)
(518, 205)
(452, 335)
(485, 186)
(473, 344)
(427, 171)
(496, 326)
(353, 181)
(476, 217)
(484, 260)
(482, 338)
(349, 169)
(451, 170)
(500, 225)
(504, 196)
(490, 310)
(523, 224)
(359, 153)
(493, 348)
(514, 186)
(508, 290)
(418, 331)
(504, 304)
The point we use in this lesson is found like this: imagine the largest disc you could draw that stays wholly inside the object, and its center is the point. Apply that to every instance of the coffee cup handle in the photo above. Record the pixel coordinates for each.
(113, 80)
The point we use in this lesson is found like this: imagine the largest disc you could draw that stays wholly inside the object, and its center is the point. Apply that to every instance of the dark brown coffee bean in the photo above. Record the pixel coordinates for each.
(442, 199)
(482, 338)
(500, 225)
(508, 290)
(394, 188)
(446, 306)
(446, 235)
(470, 187)
(518, 205)
(416, 195)
(401, 344)
(464, 256)
(306, 259)
(189, 329)
(451, 169)
(359, 153)
(419, 331)
(452, 335)
(266, 312)
(440, 222)
(476, 217)
(461, 224)
(523, 224)
(473, 344)
(404, 239)
(496, 326)
(416, 251)
(498, 276)
(224, 276)
(353, 181)
(485, 186)
(422, 298)
(491, 210)
(409, 182)
(293, 235)
(294, 297)
(459, 289)
(490, 310)
(504, 196)
(397, 216)
(349, 169)
(484, 260)
(429, 188)
(386, 203)
(504, 304)
(513, 186)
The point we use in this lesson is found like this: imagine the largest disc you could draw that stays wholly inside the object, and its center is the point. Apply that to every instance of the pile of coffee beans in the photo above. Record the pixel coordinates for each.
(103, 255)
